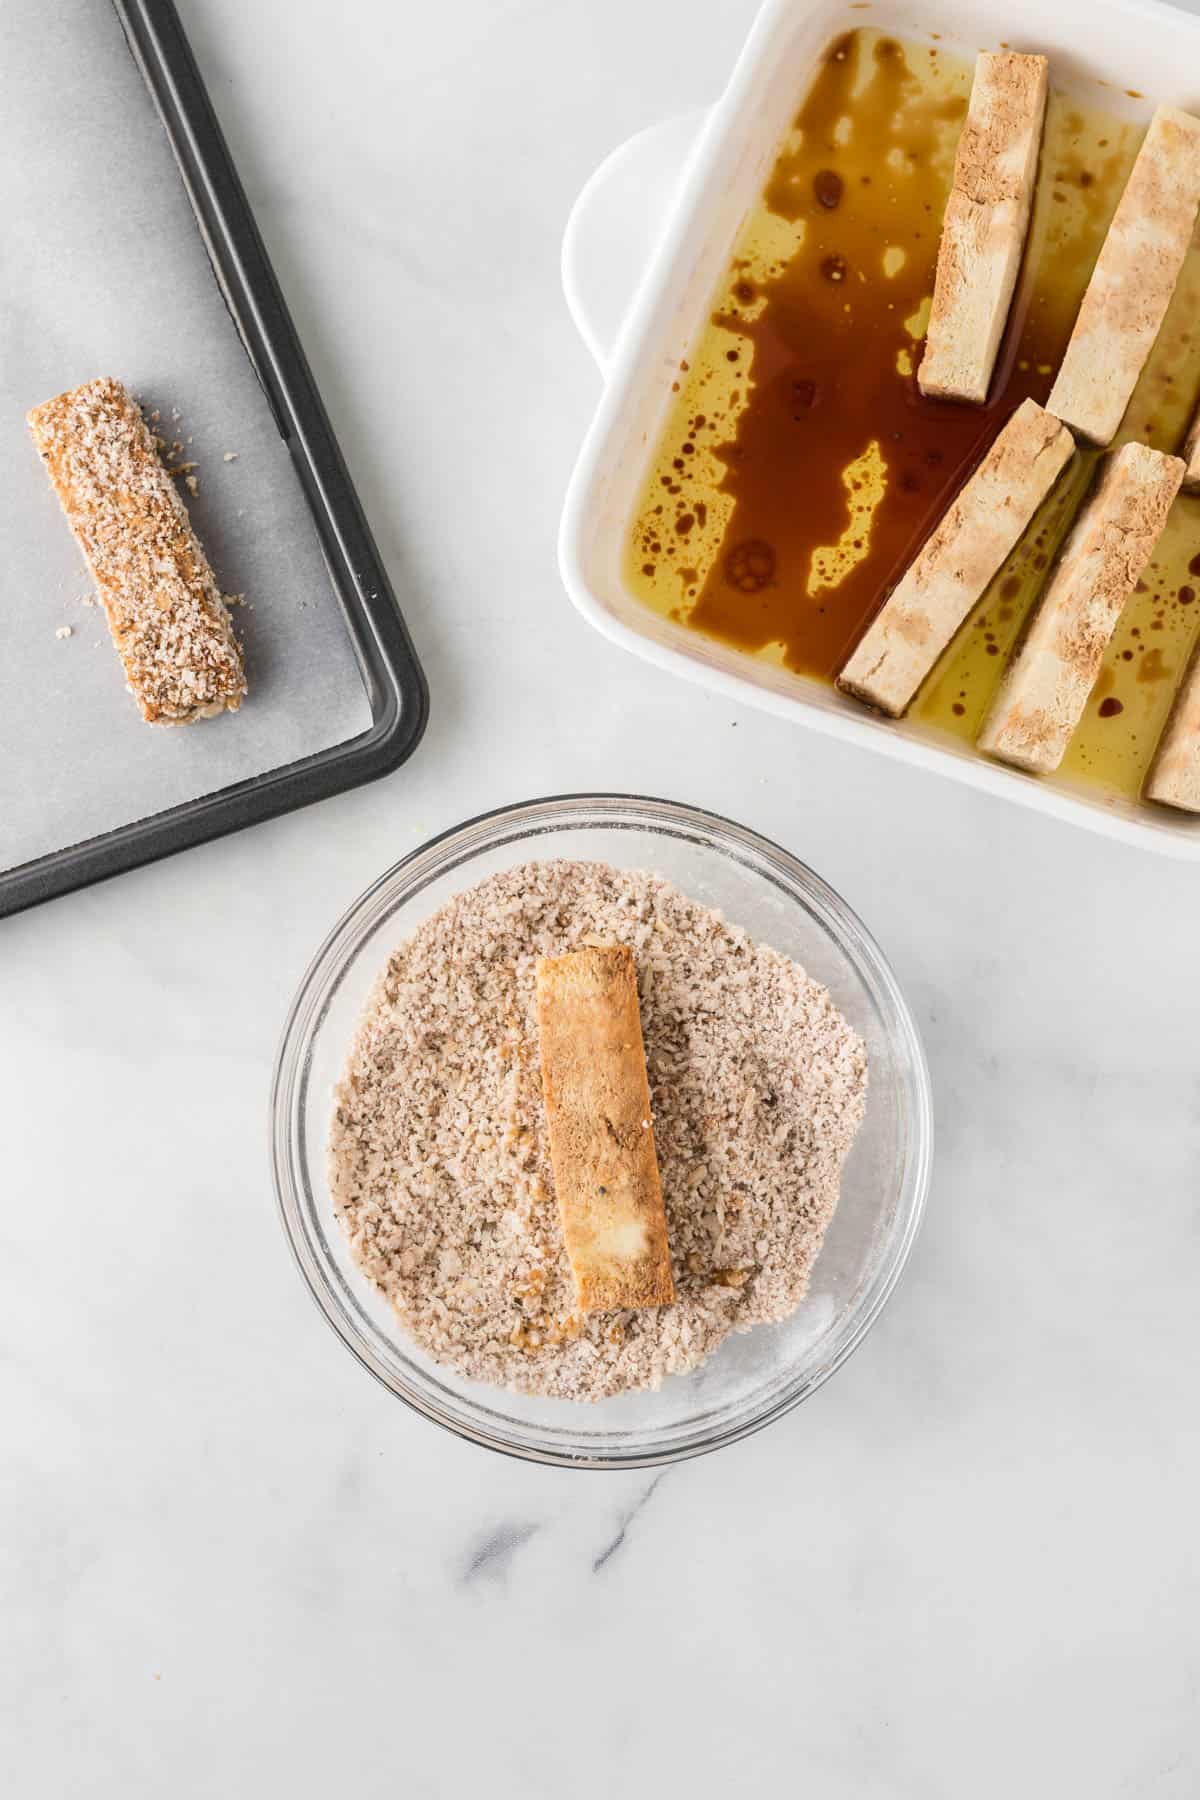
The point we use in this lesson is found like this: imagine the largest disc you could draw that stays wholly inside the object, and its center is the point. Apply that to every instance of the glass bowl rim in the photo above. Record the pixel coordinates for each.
(521, 820)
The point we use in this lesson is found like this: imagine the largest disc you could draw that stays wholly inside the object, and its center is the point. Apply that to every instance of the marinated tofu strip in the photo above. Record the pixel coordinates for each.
(985, 224)
(935, 595)
(1046, 686)
(1174, 778)
(168, 621)
(1133, 280)
(601, 1135)
(1191, 456)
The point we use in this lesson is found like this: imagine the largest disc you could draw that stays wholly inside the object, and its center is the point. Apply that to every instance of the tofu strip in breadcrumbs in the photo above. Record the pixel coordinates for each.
(601, 1134)
(170, 625)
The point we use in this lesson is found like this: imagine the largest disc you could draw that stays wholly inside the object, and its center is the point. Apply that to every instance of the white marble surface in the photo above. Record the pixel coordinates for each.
(231, 1564)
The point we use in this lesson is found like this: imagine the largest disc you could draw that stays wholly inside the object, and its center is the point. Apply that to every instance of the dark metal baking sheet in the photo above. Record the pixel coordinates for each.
(104, 271)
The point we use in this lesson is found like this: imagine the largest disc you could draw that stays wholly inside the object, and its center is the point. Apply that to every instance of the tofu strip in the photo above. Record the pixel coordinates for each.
(1174, 778)
(1133, 280)
(601, 1135)
(168, 621)
(1191, 456)
(1046, 686)
(935, 595)
(985, 224)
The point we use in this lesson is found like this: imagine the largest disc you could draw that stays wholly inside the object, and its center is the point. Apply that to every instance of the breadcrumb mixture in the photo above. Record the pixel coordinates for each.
(440, 1166)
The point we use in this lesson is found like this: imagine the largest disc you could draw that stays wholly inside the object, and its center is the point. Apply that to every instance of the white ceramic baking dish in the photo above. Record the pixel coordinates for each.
(658, 221)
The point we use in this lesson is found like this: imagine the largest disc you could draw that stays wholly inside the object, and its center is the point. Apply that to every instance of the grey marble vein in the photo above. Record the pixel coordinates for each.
(617, 1541)
(493, 1555)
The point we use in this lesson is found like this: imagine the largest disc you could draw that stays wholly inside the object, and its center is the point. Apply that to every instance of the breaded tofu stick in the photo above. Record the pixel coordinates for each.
(1133, 280)
(1174, 778)
(601, 1135)
(1046, 686)
(170, 625)
(930, 602)
(985, 224)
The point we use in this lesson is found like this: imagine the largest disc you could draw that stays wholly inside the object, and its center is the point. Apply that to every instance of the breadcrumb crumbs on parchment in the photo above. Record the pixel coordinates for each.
(440, 1167)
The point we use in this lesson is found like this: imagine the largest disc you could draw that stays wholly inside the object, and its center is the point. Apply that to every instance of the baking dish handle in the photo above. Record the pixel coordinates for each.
(616, 223)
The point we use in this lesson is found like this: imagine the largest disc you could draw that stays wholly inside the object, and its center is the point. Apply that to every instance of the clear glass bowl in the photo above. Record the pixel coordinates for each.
(755, 1376)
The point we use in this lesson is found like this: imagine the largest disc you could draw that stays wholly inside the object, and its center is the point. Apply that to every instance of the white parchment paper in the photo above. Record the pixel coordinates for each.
(102, 272)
